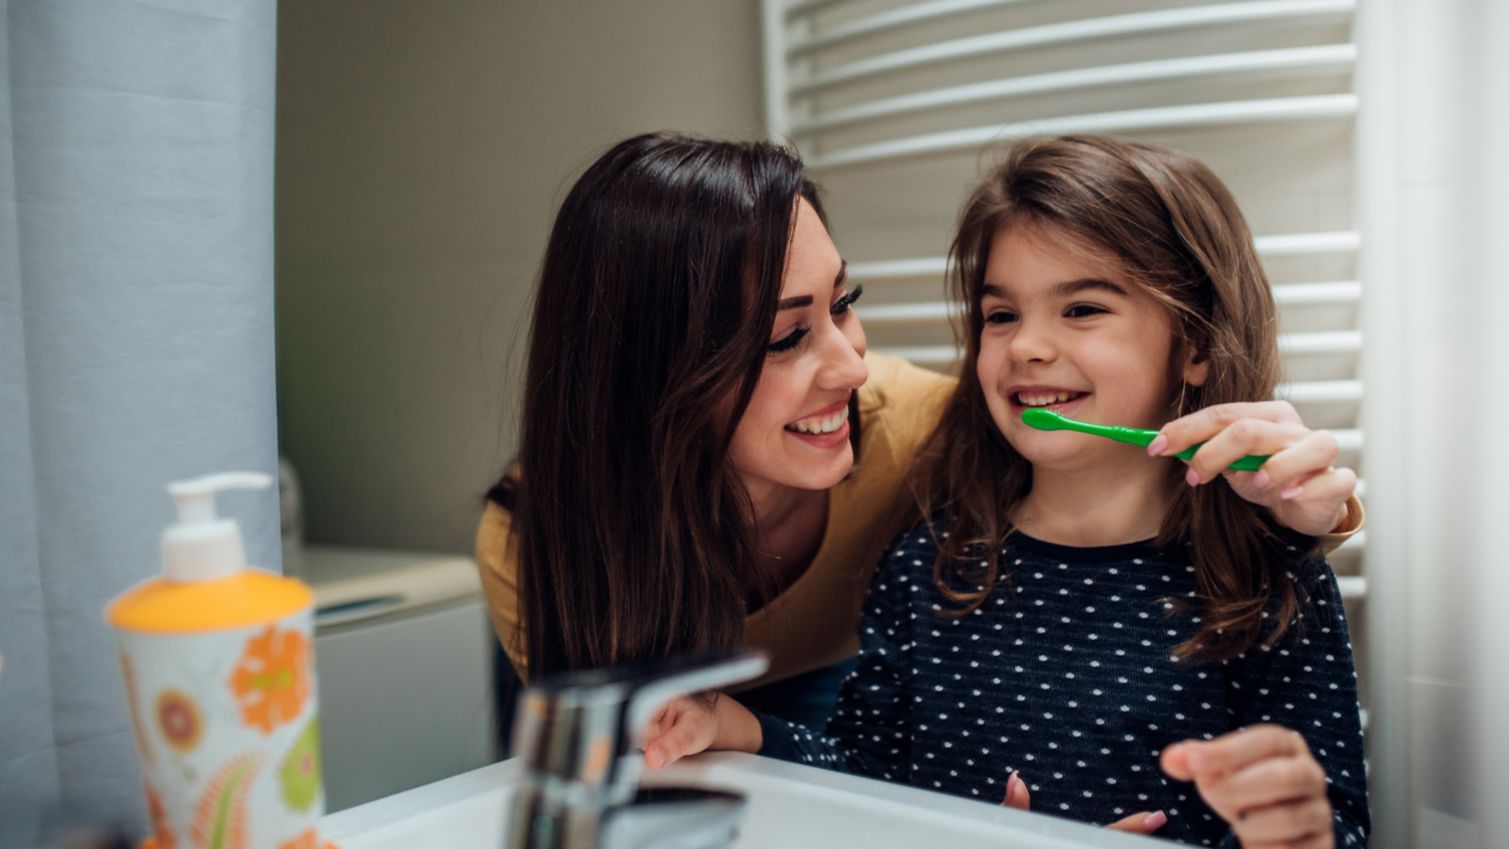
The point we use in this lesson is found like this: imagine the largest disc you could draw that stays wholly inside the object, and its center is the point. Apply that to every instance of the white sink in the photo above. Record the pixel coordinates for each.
(789, 806)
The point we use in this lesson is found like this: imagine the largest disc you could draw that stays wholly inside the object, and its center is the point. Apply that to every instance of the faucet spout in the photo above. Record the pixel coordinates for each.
(578, 737)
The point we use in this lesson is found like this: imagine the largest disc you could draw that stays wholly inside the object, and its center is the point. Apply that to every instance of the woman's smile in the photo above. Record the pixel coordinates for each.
(826, 428)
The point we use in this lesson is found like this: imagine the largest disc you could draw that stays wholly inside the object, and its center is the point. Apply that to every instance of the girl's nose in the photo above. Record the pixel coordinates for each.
(1031, 344)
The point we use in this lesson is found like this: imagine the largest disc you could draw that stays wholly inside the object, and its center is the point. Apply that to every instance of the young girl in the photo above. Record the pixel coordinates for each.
(1075, 621)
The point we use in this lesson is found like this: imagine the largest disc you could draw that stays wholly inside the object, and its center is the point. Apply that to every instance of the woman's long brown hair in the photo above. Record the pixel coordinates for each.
(1170, 224)
(632, 533)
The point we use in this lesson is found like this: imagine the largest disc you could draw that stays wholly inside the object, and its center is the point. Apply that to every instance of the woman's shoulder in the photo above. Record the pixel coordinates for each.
(498, 568)
(899, 405)
(897, 384)
(492, 531)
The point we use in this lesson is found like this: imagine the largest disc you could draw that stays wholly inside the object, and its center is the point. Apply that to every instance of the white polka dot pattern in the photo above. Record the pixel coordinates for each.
(1067, 674)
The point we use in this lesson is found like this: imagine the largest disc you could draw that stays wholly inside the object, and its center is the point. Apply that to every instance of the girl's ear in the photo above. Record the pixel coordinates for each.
(1196, 367)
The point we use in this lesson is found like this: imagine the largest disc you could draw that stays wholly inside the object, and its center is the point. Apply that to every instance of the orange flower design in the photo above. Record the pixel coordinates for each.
(271, 680)
(162, 832)
(308, 840)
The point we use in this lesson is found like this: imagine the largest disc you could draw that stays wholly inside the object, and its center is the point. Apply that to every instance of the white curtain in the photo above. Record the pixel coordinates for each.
(1434, 130)
(136, 346)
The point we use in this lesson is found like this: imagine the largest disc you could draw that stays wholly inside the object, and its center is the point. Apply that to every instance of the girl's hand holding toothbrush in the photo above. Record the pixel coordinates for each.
(1298, 483)
(1264, 782)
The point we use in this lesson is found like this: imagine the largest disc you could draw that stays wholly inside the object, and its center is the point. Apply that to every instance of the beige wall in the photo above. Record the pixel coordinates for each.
(422, 150)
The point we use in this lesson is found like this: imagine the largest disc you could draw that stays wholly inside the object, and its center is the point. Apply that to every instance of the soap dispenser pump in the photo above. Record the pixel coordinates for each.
(217, 659)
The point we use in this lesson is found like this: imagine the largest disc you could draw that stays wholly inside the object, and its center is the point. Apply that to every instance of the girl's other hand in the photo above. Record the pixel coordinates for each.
(1017, 796)
(1264, 782)
(1299, 484)
(691, 724)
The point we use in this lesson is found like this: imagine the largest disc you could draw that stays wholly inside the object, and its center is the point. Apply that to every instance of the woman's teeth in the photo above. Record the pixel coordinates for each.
(824, 425)
(1043, 399)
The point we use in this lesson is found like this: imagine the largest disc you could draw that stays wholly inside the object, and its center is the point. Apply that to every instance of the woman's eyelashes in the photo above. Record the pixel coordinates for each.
(790, 340)
(840, 306)
(846, 300)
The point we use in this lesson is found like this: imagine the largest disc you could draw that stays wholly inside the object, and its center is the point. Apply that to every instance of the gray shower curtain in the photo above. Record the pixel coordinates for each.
(136, 346)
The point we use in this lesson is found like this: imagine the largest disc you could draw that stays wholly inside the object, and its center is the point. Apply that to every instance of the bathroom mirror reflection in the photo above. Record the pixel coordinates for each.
(422, 152)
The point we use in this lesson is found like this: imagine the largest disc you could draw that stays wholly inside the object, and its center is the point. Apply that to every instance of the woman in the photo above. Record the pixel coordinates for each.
(708, 457)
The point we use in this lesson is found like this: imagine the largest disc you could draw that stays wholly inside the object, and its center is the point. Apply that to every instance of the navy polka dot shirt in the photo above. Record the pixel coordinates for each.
(1067, 674)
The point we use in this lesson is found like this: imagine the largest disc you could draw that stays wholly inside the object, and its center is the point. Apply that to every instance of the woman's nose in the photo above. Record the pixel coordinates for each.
(843, 360)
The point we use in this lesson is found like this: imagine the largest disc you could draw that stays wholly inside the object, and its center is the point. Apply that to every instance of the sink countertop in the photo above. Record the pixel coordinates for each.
(789, 806)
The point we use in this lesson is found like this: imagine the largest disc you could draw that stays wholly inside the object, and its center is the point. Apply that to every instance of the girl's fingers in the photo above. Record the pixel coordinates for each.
(1231, 752)
(1285, 824)
(1311, 453)
(1143, 823)
(1204, 424)
(1017, 795)
(1175, 762)
(681, 733)
(1268, 782)
(1247, 436)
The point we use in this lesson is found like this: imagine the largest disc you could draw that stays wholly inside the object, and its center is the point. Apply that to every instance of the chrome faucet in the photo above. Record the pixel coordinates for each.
(578, 738)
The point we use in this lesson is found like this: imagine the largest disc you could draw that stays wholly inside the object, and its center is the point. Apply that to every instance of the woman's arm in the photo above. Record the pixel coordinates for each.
(1300, 483)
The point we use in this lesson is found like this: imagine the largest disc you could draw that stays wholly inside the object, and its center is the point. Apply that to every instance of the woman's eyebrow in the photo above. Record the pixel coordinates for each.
(806, 300)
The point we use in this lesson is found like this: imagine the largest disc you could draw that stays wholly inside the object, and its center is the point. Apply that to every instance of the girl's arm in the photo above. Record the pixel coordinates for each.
(867, 734)
(1293, 775)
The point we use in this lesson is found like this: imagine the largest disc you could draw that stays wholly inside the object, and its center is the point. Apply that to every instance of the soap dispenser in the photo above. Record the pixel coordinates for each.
(217, 659)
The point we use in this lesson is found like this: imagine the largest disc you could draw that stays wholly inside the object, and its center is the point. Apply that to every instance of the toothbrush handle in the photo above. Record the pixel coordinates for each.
(1140, 436)
(1249, 463)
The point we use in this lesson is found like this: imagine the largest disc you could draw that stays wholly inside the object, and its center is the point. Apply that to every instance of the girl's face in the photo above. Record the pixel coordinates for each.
(1072, 333)
(795, 432)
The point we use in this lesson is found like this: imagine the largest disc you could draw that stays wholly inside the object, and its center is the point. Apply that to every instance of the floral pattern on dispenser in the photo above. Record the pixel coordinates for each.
(299, 774)
(220, 816)
(271, 681)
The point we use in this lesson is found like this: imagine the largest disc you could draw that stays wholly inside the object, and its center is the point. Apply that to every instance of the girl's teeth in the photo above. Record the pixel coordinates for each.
(1043, 399)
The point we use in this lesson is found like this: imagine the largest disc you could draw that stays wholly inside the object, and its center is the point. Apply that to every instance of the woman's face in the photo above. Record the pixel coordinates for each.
(795, 432)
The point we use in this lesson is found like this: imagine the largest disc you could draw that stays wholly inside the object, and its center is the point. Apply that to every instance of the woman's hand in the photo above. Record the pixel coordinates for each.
(1018, 797)
(1264, 782)
(692, 724)
(1298, 484)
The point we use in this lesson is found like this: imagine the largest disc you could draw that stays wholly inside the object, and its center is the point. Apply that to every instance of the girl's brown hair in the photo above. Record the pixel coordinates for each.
(659, 288)
(1170, 225)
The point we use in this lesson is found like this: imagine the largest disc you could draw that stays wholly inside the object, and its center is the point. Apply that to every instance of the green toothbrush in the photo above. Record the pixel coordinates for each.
(1045, 419)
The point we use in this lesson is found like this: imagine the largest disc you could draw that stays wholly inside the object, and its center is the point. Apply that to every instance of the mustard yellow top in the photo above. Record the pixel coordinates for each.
(814, 622)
